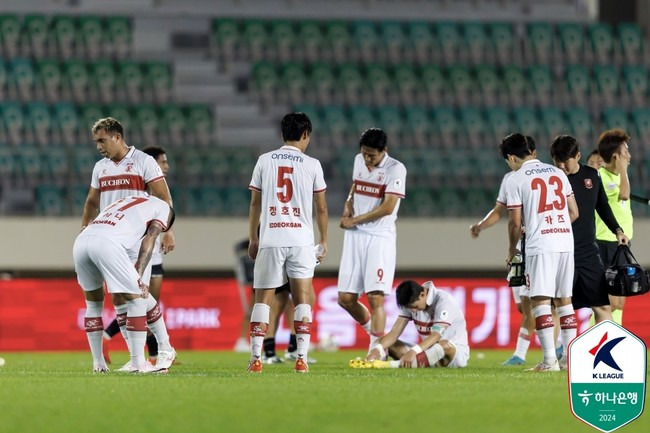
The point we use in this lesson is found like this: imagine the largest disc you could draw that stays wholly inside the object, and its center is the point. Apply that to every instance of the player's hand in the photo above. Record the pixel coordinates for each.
(511, 255)
(348, 210)
(373, 354)
(347, 223)
(620, 162)
(622, 239)
(323, 252)
(144, 288)
(168, 242)
(474, 230)
(406, 361)
(253, 248)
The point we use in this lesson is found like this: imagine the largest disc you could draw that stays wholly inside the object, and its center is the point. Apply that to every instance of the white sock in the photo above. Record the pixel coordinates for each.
(366, 326)
(523, 342)
(137, 330)
(259, 322)
(95, 330)
(434, 354)
(568, 325)
(544, 329)
(121, 310)
(156, 324)
(302, 323)
(395, 364)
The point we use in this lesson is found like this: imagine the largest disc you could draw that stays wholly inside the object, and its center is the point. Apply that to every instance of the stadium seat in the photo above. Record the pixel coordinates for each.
(641, 117)
(390, 120)
(38, 122)
(173, 125)
(191, 166)
(147, 124)
(418, 126)
(104, 80)
(553, 122)
(474, 126)
(265, 81)
(361, 118)
(393, 41)
(350, 83)
(365, 40)
(489, 84)
(158, 81)
(13, 122)
(449, 202)
(476, 41)
(293, 82)
(379, 83)
(607, 83)
(226, 39)
(50, 200)
(7, 164)
(29, 164)
(23, 78)
(542, 83)
(237, 200)
(119, 34)
(122, 113)
(56, 165)
(526, 121)
(49, 79)
(499, 123)
(84, 158)
(502, 40)
(540, 41)
(434, 83)
(449, 39)
(64, 35)
(420, 36)
(578, 84)
(310, 38)
(631, 40)
(89, 114)
(446, 126)
(321, 83)
(338, 39)
(212, 202)
(130, 80)
(77, 80)
(462, 84)
(91, 35)
(4, 78)
(36, 35)
(580, 124)
(77, 194)
(284, 40)
(407, 84)
(199, 123)
(572, 40)
(515, 83)
(336, 123)
(614, 117)
(602, 42)
(10, 34)
(636, 83)
(255, 39)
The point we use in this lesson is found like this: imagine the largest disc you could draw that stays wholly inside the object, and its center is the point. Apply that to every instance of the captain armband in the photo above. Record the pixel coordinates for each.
(439, 329)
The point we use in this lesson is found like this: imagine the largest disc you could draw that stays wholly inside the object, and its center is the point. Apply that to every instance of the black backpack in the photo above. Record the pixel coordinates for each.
(625, 277)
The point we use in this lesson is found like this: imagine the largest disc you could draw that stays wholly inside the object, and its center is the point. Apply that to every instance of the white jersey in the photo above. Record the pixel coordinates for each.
(370, 186)
(288, 180)
(542, 191)
(125, 221)
(442, 310)
(130, 176)
(501, 197)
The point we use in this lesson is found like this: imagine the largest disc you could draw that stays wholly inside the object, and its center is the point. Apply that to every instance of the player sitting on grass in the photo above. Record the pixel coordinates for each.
(438, 319)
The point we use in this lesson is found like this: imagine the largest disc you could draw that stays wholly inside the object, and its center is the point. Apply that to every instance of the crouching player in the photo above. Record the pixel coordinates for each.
(439, 321)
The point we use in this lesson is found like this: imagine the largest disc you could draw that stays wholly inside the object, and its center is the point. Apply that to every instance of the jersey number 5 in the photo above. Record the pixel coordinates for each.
(539, 184)
(284, 182)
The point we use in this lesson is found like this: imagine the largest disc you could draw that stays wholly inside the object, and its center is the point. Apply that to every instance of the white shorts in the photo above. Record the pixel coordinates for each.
(549, 275)
(98, 260)
(367, 263)
(274, 265)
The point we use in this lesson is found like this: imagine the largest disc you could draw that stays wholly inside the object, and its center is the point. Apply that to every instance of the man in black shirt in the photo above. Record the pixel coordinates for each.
(589, 288)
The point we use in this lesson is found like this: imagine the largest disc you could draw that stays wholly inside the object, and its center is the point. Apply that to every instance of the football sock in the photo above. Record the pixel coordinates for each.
(112, 330)
(544, 329)
(433, 355)
(121, 310)
(293, 345)
(366, 326)
(568, 325)
(152, 346)
(302, 324)
(523, 342)
(617, 316)
(374, 337)
(136, 328)
(95, 329)
(156, 324)
(259, 324)
(269, 347)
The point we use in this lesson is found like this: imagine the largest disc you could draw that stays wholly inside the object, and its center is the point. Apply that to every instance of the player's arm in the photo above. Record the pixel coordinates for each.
(254, 214)
(91, 207)
(490, 219)
(573, 208)
(605, 213)
(432, 339)
(379, 350)
(348, 206)
(514, 232)
(385, 208)
(321, 221)
(160, 189)
(146, 251)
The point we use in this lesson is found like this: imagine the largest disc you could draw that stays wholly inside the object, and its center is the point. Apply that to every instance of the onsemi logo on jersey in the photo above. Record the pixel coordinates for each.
(607, 376)
(589, 184)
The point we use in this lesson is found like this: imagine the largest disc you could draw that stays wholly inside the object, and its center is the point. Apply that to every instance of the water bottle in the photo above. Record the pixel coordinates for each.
(630, 270)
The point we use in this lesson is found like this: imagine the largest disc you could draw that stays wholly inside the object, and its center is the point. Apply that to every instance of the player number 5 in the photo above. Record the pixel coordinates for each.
(284, 182)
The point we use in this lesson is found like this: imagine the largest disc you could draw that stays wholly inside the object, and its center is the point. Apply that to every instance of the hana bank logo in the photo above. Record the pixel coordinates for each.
(602, 353)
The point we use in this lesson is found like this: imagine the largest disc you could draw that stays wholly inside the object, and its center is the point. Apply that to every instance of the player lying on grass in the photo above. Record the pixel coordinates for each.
(438, 319)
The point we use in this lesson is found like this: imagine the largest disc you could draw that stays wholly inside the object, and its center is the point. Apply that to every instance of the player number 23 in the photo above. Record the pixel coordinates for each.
(284, 183)
(559, 203)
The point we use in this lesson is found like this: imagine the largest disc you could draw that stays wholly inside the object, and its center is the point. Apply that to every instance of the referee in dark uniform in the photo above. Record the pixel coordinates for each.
(589, 286)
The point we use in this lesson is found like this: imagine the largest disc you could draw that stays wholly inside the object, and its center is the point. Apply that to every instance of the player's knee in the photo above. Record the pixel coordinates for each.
(376, 300)
(346, 302)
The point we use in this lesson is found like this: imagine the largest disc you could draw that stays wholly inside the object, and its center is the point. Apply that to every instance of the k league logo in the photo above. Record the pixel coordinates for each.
(607, 376)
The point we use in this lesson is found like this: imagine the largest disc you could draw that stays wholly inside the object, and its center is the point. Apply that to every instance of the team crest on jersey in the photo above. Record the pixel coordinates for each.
(129, 167)
(103, 172)
(380, 177)
(444, 314)
(397, 184)
(611, 185)
(589, 184)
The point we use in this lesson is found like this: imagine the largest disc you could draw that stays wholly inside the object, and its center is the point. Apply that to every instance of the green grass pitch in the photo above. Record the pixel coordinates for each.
(211, 392)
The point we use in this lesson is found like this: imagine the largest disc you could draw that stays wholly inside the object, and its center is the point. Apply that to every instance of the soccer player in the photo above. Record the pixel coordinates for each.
(285, 186)
(594, 160)
(157, 271)
(589, 288)
(541, 195)
(522, 302)
(102, 254)
(369, 242)
(124, 171)
(438, 319)
(612, 147)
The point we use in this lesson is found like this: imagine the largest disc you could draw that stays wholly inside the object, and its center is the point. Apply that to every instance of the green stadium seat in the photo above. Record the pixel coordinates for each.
(77, 194)
(419, 202)
(418, 125)
(393, 40)
(607, 82)
(602, 42)
(192, 166)
(4, 78)
(7, 164)
(91, 35)
(211, 200)
(103, 79)
(541, 82)
(30, 166)
(9, 34)
(434, 82)
(56, 165)
(515, 83)
(131, 80)
(614, 117)
(67, 124)
(541, 40)
(420, 36)
(572, 40)
(255, 39)
(49, 78)
(50, 200)
(578, 83)
(631, 40)
(499, 122)
(158, 80)
(314, 114)
(462, 83)
(379, 82)
(362, 118)
(77, 79)
(446, 125)
(365, 40)
(449, 202)
(89, 114)
(241, 163)
(284, 39)
(641, 117)
(490, 165)
(338, 39)
(580, 123)
(310, 39)
(36, 35)
(237, 200)
(64, 34)
(265, 80)
(502, 40)
(449, 39)
(122, 113)
(636, 83)
(407, 83)
(39, 122)
(84, 158)
(488, 83)
(13, 121)
(477, 200)
(350, 83)
(322, 82)
(553, 122)
(294, 81)
(119, 34)
(200, 123)
(225, 38)
(146, 121)
(526, 120)
(336, 123)
(476, 40)
(390, 119)
(173, 124)
(23, 77)
(472, 121)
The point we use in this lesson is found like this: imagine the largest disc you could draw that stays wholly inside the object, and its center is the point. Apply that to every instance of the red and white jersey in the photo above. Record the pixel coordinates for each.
(501, 197)
(442, 311)
(542, 191)
(125, 221)
(370, 187)
(288, 180)
(130, 176)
